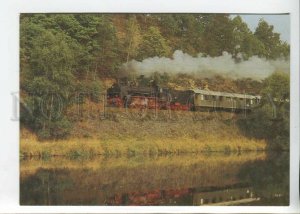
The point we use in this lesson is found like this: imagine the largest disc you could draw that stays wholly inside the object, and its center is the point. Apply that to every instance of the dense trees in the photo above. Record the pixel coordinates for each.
(133, 38)
(153, 44)
(272, 120)
(273, 47)
(61, 53)
(245, 42)
(49, 82)
(104, 41)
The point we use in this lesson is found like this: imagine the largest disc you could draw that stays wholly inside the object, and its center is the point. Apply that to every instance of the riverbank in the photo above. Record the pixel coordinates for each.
(89, 148)
(131, 134)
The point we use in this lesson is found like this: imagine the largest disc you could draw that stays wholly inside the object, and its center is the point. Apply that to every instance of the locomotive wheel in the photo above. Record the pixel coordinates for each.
(135, 111)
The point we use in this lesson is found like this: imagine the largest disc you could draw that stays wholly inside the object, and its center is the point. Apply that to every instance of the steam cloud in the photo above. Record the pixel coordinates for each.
(255, 67)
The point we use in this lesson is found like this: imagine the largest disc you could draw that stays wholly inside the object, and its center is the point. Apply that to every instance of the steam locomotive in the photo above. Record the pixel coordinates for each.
(154, 97)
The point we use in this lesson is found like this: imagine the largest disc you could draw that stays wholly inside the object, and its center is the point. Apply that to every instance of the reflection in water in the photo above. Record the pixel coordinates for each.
(211, 179)
(270, 178)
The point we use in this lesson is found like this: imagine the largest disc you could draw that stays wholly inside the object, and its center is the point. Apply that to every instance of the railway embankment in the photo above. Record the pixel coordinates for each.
(145, 132)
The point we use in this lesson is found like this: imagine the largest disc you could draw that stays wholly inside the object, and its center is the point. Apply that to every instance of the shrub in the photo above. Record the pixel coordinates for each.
(44, 134)
(60, 129)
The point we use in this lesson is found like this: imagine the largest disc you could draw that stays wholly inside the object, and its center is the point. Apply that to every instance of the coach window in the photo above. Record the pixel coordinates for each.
(201, 96)
(257, 100)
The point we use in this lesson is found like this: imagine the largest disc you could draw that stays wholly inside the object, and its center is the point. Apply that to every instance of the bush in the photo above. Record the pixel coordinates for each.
(95, 89)
(44, 134)
(55, 129)
(261, 124)
(60, 129)
(257, 124)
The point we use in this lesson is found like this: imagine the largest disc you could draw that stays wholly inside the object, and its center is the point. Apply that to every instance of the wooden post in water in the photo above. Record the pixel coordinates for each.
(104, 104)
(245, 104)
(169, 107)
(156, 103)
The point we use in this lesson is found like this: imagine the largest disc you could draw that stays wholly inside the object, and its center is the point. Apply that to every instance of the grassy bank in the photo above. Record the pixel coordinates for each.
(121, 133)
(92, 147)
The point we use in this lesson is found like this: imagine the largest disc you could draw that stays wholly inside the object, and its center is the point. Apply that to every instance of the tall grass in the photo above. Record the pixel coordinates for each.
(131, 147)
(122, 134)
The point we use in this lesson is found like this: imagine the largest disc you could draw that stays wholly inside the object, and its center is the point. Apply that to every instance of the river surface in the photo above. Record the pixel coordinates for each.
(249, 178)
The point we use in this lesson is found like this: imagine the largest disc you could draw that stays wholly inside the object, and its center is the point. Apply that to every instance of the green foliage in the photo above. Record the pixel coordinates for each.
(54, 129)
(274, 47)
(106, 54)
(60, 128)
(89, 89)
(48, 80)
(277, 86)
(95, 90)
(132, 39)
(218, 36)
(61, 53)
(258, 124)
(189, 33)
(272, 120)
(153, 44)
(104, 39)
(44, 134)
(245, 42)
(169, 24)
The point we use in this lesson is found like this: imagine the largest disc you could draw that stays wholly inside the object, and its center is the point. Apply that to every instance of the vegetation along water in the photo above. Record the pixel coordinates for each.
(76, 149)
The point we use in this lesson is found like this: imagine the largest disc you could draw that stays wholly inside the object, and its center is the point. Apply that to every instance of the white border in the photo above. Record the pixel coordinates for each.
(9, 37)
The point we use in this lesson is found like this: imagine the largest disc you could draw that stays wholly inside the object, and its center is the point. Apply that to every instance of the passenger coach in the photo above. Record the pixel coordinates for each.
(206, 99)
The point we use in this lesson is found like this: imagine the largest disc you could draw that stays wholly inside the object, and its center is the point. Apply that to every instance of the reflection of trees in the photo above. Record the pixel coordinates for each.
(71, 182)
(45, 187)
(269, 178)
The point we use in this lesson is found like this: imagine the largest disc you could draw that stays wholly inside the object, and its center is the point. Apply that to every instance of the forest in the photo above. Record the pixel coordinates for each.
(64, 53)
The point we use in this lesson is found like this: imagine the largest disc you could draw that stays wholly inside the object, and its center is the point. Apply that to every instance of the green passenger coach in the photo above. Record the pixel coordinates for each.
(206, 99)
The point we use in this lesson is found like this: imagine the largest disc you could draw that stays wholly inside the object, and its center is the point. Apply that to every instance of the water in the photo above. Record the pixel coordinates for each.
(208, 179)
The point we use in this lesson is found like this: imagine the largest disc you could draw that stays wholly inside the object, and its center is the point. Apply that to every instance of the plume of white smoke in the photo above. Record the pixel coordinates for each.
(255, 67)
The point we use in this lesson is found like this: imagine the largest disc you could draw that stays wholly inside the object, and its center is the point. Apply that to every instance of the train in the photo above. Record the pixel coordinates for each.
(162, 98)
